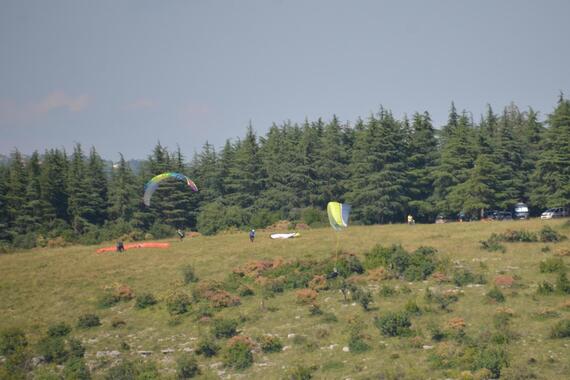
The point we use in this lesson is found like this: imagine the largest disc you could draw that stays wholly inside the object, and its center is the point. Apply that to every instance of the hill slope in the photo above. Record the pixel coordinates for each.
(46, 286)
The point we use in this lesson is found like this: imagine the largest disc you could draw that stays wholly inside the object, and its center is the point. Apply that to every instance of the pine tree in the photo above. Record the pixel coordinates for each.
(176, 202)
(552, 174)
(331, 165)
(458, 154)
(4, 216)
(16, 192)
(97, 186)
(245, 177)
(422, 160)
(379, 172)
(36, 212)
(54, 182)
(123, 191)
(79, 192)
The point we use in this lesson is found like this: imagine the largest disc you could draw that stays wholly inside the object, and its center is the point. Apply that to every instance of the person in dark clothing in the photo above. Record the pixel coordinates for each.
(251, 235)
(180, 234)
(120, 246)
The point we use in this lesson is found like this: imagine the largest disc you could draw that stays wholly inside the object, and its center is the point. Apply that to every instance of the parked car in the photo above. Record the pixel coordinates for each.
(504, 215)
(521, 211)
(490, 215)
(557, 212)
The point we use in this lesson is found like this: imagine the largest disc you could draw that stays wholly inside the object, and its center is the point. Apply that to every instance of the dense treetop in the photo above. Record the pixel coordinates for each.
(385, 167)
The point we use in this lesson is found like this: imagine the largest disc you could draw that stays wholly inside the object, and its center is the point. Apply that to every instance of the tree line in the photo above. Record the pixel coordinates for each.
(385, 167)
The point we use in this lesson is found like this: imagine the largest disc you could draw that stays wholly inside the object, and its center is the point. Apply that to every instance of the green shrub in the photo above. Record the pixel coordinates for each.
(363, 297)
(88, 320)
(187, 367)
(11, 341)
(547, 234)
(263, 218)
(545, 287)
(59, 329)
(492, 358)
(75, 369)
(561, 329)
(314, 217)
(53, 349)
(387, 291)
(301, 372)
(245, 291)
(415, 266)
(393, 324)
(144, 300)
(224, 328)
(562, 283)
(464, 277)
(270, 343)
(238, 355)
(496, 295)
(76, 348)
(161, 231)
(551, 265)
(207, 347)
(346, 265)
(492, 244)
(108, 300)
(128, 370)
(436, 333)
(216, 216)
(188, 274)
(412, 308)
(177, 303)
(519, 236)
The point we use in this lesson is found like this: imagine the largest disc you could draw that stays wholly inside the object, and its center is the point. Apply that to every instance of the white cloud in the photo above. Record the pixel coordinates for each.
(12, 111)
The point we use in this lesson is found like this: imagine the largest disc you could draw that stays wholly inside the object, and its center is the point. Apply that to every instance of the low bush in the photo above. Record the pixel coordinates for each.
(356, 338)
(493, 244)
(59, 329)
(270, 343)
(547, 235)
(363, 297)
(492, 358)
(561, 329)
(301, 372)
(562, 283)
(76, 348)
(207, 347)
(496, 295)
(189, 274)
(177, 303)
(412, 308)
(518, 236)
(129, 370)
(144, 300)
(393, 324)
(464, 277)
(76, 369)
(11, 341)
(224, 328)
(88, 320)
(545, 288)
(551, 265)
(107, 300)
(245, 291)
(118, 322)
(387, 291)
(415, 266)
(238, 353)
(187, 367)
(53, 349)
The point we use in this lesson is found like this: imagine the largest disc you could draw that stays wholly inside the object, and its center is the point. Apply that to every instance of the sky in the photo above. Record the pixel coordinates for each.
(124, 75)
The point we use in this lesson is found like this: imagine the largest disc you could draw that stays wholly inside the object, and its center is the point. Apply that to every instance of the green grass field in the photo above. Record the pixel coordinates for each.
(43, 287)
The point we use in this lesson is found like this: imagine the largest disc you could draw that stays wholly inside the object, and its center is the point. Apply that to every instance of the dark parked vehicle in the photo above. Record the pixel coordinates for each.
(521, 211)
(497, 215)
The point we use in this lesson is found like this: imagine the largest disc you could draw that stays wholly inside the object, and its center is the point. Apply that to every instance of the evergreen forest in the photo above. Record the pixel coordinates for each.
(384, 167)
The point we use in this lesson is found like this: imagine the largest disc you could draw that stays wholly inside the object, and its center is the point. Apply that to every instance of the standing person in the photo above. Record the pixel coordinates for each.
(411, 219)
(180, 234)
(120, 246)
(251, 235)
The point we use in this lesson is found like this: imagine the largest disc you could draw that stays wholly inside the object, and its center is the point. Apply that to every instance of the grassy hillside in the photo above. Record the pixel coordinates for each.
(40, 288)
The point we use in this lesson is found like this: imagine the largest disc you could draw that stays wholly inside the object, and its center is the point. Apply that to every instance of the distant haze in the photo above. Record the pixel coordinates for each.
(122, 75)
